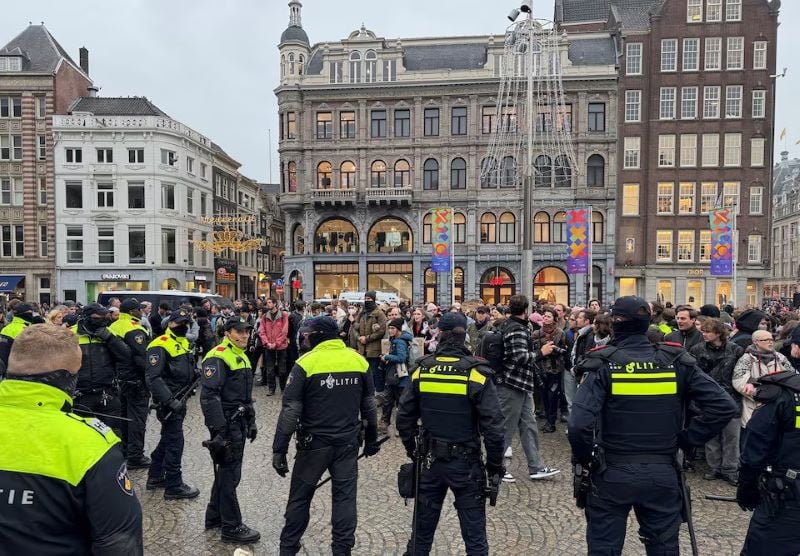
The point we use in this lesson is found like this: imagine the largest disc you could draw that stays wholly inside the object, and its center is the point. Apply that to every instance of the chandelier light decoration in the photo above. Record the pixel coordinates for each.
(234, 240)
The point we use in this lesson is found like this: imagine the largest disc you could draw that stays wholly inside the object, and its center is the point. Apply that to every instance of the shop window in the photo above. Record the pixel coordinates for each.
(488, 228)
(395, 278)
(551, 285)
(541, 228)
(390, 235)
(330, 280)
(336, 236)
(497, 286)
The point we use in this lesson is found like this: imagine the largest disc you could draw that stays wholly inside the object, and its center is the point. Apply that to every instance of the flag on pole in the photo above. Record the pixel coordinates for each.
(578, 243)
(721, 221)
(442, 239)
(783, 134)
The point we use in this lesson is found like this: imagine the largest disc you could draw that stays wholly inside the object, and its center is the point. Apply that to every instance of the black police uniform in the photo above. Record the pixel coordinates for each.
(227, 403)
(326, 391)
(772, 439)
(631, 404)
(456, 399)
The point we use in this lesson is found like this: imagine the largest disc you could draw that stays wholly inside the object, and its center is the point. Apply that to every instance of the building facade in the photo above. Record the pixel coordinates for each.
(247, 202)
(132, 190)
(375, 133)
(37, 80)
(226, 263)
(271, 280)
(784, 281)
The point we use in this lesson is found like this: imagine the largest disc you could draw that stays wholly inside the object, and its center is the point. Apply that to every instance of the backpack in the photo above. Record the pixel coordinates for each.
(414, 354)
(490, 347)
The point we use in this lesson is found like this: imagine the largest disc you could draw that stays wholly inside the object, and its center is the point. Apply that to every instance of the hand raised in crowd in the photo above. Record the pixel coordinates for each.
(547, 348)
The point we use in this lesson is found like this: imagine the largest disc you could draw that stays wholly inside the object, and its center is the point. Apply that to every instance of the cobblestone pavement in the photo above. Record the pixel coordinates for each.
(531, 517)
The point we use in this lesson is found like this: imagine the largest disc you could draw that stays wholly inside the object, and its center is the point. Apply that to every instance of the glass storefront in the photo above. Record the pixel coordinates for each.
(336, 236)
(431, 281)
(391, 277)
(752, 286)
(628, 286)
(459, 284)
(93, 289)
(497, 286)
(724, 293)
(330, 280)
(597, 284)
(665, 292)
(551, 285)
(694, 293)
(295, 286)
(390, 235)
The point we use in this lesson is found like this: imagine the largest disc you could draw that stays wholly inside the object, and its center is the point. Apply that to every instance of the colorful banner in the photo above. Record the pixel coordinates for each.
(721, 221)
(442, 239)
(578, 242)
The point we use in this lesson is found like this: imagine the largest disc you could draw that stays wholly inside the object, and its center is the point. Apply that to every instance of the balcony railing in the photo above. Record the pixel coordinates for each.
(389, 194)
(128, 122)
(333, 195)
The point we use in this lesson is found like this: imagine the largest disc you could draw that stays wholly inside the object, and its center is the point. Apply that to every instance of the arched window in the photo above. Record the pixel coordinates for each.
(497, 286)
(598, 227)
(508, 172)
(390, 235)
(488, 228)
(430, 174)
(299, 240)
(324, 173)
(301, 64)
(291, 64)
(596, 171)
(292, 175)
(347, 175)
(427, 228)
(459, 228)
(283, 65)
(402, 174)
(543, 171)
(563, 172)
(378, 174)
(541, 228)
(355, 67)
(488, 173)
(371, 65)
(336, 235)
(431, 281)
(551, 285)
(508, 228)
(560, 227)
(458, 283)
(458, 174)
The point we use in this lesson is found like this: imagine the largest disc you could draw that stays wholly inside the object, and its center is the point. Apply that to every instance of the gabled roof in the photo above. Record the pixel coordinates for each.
(41, 52)
(588, 52)
(117, 106)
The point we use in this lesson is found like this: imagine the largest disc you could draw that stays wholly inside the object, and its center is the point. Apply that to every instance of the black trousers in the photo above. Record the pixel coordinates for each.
(106, 402)
(774, 536)
(168, 454)
(275, 366)
(465, 476)
(551, 396)
(223, 504)
(309, 465)
(134, 405)
(652, 490)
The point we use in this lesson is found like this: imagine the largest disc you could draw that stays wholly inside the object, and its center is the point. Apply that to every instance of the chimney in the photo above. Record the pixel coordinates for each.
(784, 156)
(84, 59)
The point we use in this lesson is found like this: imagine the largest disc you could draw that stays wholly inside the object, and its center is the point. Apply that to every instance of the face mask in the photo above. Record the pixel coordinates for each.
(92, 324)
(180, 330)
(61, 379)
(627, 328)
(370, 306)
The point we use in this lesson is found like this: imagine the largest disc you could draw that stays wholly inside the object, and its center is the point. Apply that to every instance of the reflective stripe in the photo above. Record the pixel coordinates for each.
(641, 376)
(475, 376)
(415, 375)
(444, 377)
(797, 417)
(643, 388)
(443, 388)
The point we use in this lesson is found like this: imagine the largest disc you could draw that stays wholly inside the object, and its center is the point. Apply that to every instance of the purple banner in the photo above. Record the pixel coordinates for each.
(578, 240)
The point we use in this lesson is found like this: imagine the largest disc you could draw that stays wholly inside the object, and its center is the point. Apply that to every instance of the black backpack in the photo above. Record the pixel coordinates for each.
(490, 347)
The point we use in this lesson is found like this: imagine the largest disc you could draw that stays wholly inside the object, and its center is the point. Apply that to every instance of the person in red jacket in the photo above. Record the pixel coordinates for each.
(274, 333)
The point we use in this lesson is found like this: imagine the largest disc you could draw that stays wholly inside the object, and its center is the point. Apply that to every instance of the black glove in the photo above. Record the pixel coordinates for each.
(252, 432)
(747, 495)
(175, 405)
(279, 464)
(684, 444)
(217, 447)
(410, 448)
(371, 448)
(493, 469)
(103, 333)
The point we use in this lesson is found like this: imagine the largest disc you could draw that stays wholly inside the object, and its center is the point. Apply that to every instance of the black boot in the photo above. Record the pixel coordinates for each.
(181, 492)
(241, 535)
(155, 482)
(141, 462)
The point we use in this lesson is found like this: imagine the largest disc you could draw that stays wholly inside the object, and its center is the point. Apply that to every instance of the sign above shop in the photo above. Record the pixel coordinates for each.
(200, 277)
(695, 272)
(115, 276)
(221, 220)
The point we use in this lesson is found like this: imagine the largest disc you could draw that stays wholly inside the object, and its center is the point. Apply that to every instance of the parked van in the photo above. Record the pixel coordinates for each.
(358, 297)
(174, 298)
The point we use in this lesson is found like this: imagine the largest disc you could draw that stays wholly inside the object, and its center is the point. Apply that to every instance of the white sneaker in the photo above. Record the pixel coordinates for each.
(509, 478)
(508, 452)
(543, 473)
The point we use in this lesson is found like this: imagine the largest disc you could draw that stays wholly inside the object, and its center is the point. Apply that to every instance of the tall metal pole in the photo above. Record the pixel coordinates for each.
(527, 218)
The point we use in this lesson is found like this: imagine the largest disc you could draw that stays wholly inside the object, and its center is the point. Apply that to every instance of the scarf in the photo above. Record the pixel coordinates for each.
(549, 332)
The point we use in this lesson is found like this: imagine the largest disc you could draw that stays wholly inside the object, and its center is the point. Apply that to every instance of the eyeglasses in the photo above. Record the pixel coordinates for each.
(768, 340)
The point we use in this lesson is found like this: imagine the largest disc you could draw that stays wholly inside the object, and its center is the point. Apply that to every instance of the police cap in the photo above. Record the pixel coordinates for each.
(451, 321)
(94, 309)
(180, 316)
(129, 305)
(322, 328)
(239, 323)
(631, 307)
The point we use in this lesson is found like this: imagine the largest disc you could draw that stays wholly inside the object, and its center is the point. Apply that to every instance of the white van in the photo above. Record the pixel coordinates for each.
(358, 297)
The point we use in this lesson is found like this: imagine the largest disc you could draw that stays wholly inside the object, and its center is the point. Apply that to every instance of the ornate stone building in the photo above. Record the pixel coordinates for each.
(785, 278)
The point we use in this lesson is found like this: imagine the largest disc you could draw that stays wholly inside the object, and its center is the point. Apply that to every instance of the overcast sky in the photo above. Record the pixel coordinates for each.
(213, 64)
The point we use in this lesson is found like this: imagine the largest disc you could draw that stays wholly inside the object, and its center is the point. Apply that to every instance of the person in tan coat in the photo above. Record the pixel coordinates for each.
(371, 330)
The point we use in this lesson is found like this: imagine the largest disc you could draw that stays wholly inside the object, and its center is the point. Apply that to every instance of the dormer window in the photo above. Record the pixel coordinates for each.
(10, 63)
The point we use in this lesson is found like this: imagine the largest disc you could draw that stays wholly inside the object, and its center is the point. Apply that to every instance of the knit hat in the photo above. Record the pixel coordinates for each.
(371, 294)
(710, 311)
(129, 305)
(536, 318)
(397, 323)
(450, 321)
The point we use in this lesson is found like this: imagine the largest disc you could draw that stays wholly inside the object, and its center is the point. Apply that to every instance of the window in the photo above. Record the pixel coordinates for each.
(459, 228)
(74, 156)
(203, 204)
(688, 150)
(560, 227)
(705, 246)
(378, 174)
(669, 54)
(324, 173)
(688, 103)
(10, 107)
(13, 244)
(666, 151)
(74, 244)
(756, 198)
(630, 199)
(733, 10)
(458, 122)
(543, 171)
(710, 150)
(488, 228)
(508, 228)
(347, 125)
(666, 198)
(633, 58)
(136, 244)
(730, 195)
(291, 125)
(74, 194)
(169, 158)
(430, 175)
(105, 195)
(105, 156)
(708, 196)
(488, 117)
(598, 227)
(508, 119)
(490, 176)
(43, 241)
(135, 195)
(190, 165)
(541, 228)
(754, 249)
(735, 53)
(631, 152)
(431, 127)
(713, 59)
(42, 193)
(458, 174)
(347, 175)
(378, 123)
(630, 247)
(190, 200)
(595, 171)
(633, 106)
(427, 226)
(713, 10)
(402, 123)
(390, 70)
(11, 63)
(733, 101)
(760, 103)
(757, 145)
(355, 67)
(667, 106)
(686, 198)
(685, 246)
(694, 11)
(41, 107)
(664, 246)
(691, 54)
(597, 116)
(370, 67)
(190, 247)
(41, 147)
(711, 102)
(324, 125)
(105, 245)
(168, 246)
(733, 149)
(402, 174)
(11, 191)
(760, 55)
(168, 196)
(336, 72)
(136, 156)
(563, 172)
(508, 172)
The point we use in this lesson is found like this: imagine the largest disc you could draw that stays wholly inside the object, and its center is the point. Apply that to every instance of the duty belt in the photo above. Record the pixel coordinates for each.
(438, 449)
(611, 457)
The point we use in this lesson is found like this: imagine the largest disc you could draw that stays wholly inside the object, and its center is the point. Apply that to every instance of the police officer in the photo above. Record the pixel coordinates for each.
(326, 391)
(170, 376)
(65, 488)
(455, 397)
(630, 405)
(23, 317)
(773, 441)
(103, 352)
(133, 394)
(227, 402)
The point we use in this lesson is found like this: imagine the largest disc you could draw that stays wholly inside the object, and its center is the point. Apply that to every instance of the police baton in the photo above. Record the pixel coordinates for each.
(717, 498)
(88, 413)
(181, 398)
(363, 454)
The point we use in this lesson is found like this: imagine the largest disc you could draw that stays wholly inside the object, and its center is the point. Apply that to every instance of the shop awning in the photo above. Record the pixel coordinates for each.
(9, 283)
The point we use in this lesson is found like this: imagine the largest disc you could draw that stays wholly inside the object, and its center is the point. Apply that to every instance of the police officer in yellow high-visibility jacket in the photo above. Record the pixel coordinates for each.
(23, 317)
(65, 489)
